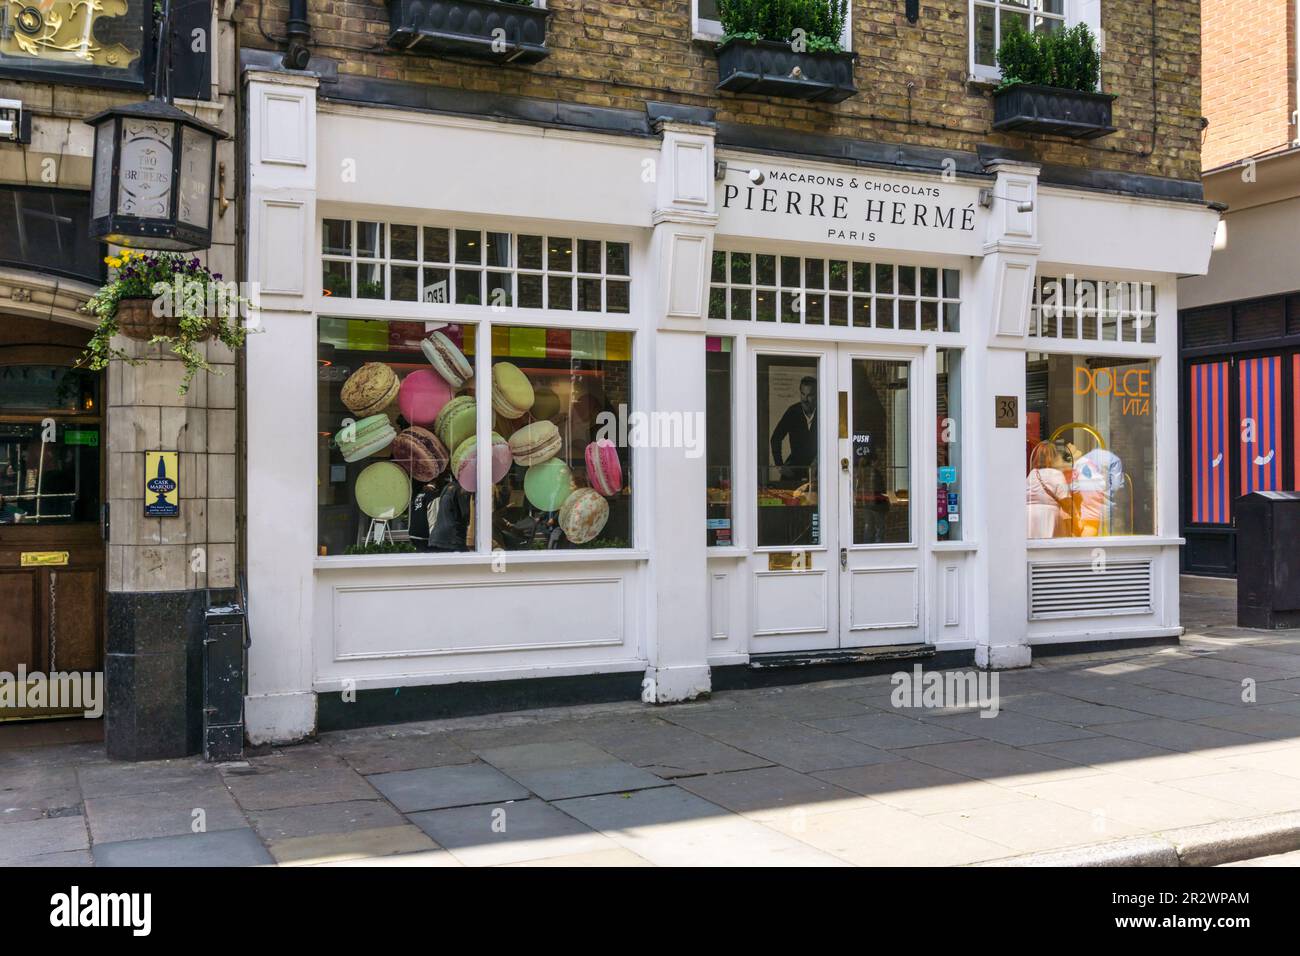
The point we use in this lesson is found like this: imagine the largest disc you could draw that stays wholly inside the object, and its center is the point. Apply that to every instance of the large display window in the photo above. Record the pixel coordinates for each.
(398, 438)
(1090, 450)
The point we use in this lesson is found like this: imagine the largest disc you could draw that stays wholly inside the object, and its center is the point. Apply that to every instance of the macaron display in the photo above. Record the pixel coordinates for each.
(464, 464)
(383, 490)
(535, 443)
(604, 471)
(456, 421)
(546, 486)
(512, 393)
(447, 360)
(546, 404)
(420, 453)
(423, 394)
(583, 515)
(365, 438)
(371, 390)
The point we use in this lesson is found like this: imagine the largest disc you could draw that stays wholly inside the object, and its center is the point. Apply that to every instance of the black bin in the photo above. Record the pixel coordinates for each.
(1268, 559)
(225, 642)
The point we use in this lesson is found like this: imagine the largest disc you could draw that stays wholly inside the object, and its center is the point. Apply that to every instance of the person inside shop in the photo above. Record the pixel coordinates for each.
(448, 516)
(1096, 480)
(1049, 504)
(799, 426)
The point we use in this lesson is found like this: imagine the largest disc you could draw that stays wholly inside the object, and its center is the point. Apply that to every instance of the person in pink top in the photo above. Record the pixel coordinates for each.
(1048, 500)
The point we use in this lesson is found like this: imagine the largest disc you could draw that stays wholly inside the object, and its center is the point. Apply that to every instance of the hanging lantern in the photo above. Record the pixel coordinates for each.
(153, 174)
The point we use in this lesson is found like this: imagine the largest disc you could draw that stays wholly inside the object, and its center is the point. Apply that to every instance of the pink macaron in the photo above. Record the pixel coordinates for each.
(422, 396)
(603, 469)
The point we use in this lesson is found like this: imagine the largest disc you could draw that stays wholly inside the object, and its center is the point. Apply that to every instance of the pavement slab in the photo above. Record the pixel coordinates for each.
(1011, 727)
(665, 749)
(558, 770)
(271, 789)
(919, 787)
(32, 838)
(138, 816)
(784, 741)
(1035, 825)
(316, 819)
(888, 731)
(389, 753)
(769, 793)
(353, 845)
(997, 763)
(491, 835)
(436, 788)
(220, 848)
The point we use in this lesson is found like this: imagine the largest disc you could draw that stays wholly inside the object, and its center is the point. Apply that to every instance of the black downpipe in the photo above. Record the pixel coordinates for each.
(298, 34)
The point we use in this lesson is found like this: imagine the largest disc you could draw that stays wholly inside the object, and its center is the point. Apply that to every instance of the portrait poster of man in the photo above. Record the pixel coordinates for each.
(792, 442)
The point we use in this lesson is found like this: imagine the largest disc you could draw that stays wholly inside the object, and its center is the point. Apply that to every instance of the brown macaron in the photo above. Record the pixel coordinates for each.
(420, 453)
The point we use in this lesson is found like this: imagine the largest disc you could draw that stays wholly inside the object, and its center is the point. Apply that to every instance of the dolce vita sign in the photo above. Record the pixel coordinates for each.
(861, 209)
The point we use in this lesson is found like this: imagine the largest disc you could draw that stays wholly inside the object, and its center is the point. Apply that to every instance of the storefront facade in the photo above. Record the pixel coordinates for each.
(744, 403)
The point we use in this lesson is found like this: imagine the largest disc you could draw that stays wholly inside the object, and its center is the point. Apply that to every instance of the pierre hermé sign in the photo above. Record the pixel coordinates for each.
(862, 209)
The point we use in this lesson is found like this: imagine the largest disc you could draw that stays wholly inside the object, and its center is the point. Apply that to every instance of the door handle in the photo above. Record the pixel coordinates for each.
(844, 465)
(844, 559)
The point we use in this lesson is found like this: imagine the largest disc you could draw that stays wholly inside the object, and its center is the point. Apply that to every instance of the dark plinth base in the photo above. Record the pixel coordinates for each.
(1266, 618)
(154, 674)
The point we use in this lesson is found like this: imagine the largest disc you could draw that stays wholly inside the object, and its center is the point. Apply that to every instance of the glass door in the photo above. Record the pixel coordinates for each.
(795, 531)
(878, 559)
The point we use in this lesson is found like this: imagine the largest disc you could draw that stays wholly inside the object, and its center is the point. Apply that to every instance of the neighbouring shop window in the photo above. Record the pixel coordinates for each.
(718, 372)
(1093, 310)
(563, 433)
(48, 482)
(758, 287)
(1209, 452)
(406, 263)
(395, 401)
(881, 446)
(1090, 451)
(949, 503)
(991, 20)
(97, 43)
(48, 230)
(786, 402)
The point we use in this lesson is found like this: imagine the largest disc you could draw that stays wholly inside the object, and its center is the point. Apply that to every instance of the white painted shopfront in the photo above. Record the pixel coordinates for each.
(848, 334)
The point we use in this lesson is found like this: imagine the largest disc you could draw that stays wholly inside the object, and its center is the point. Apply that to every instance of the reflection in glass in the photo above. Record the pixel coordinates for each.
(788, 424)
(717, 445)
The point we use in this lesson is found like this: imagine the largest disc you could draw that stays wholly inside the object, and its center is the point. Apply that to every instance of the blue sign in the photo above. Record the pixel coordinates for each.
(947, 474)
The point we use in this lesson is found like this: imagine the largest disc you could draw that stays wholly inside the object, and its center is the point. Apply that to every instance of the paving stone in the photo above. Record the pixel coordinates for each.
(422, 859)
(888, 731)
(1284, 761)
(918, 787)
(1217, 690)
(670, 827)
(31, 838)
(354, 845)
(1035, 825)
(1178, 735)
(220, 848)
(667, 750)
(34, 803)
(387, 754)
(38, 778)
(1281, 667)
(883, 836)
(770, 792)
(293, 822)
(570, 768)
(996, 762)
(67, 858)
(1010, 727)
(1258, 723)
(1142, 804)
(1260, 790)
(139, 816)
(491, 835)
(601, 858)
(1068, 710)
(1131, 758)
(801, 703)
(312, 756)
(436, 788)
(785, 742)
(269, 790)
(118, 778)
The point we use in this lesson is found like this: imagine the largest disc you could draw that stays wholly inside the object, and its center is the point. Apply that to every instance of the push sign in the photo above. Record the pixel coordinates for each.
(161, 484)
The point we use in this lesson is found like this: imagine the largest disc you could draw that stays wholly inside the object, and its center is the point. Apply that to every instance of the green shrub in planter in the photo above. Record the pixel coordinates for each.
(821, 22)
(1064, 59)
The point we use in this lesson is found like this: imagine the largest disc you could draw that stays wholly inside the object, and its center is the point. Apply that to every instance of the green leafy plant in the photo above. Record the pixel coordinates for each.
(816, 24)
(381, 547)
(203, 305)
(1064, 59)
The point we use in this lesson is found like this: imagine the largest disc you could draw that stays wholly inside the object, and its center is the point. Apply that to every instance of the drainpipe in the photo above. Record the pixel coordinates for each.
(298, 34)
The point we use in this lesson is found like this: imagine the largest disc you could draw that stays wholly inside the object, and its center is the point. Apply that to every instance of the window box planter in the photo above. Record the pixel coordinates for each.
(466, 28)
(1045, 109)
(769, 68)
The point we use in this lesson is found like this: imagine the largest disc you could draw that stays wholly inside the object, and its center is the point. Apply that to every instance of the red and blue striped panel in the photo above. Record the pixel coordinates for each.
(1259, 382)
(1211, 472)
(1295, 418)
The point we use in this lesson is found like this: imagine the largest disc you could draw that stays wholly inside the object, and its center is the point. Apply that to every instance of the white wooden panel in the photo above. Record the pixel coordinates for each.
(789, 602)
(951, 595)
(284, 128)
(719, 605)
(883, 597)
(283, 236)
(422, 620)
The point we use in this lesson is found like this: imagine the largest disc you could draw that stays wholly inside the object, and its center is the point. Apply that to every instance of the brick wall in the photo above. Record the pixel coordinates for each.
(1248, 79)
(624, 52)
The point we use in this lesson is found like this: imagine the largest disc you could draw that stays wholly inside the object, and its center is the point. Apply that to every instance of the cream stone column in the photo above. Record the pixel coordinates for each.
(1004, 285)
(280, 403)
(677, 635)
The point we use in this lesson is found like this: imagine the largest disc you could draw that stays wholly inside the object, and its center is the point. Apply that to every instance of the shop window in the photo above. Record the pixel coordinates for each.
(395, 401)
(881, 447)
(948, 397)
(91, 43)
(991, 20)
(1090, 450)
(708, 25)
(48, 230)
(563, 431)
(1093, 310)
(407, 263)
(718, 450)
(788, 420)
(758, 287)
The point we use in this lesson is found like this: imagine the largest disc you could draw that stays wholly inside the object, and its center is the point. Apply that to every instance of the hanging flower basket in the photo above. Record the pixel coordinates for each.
(164, 299)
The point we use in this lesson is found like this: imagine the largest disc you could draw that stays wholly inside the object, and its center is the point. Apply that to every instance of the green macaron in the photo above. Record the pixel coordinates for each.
(383, 490)
(548, 484)
(456, 421)
(365, 438)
